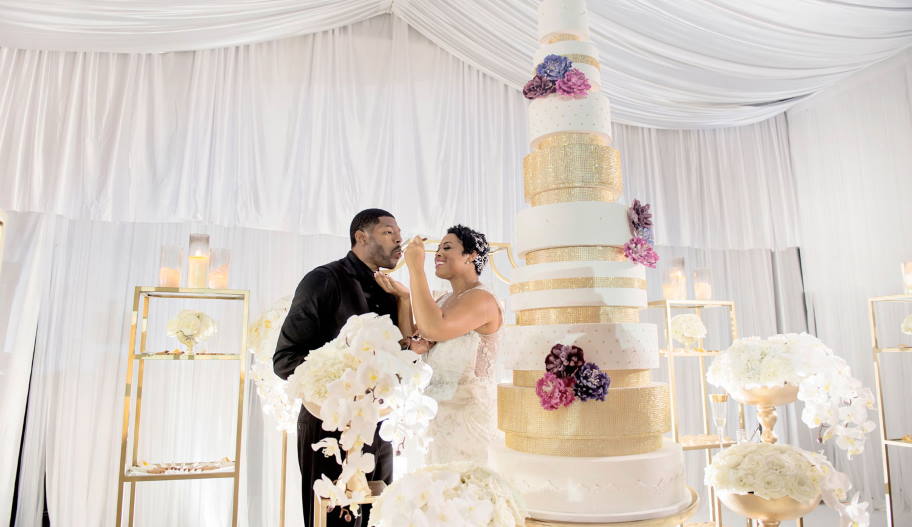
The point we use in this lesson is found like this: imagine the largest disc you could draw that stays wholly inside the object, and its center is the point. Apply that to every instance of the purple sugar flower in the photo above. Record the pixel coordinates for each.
(639, 251)
(554, 67)
(591, 383)
(554, 392)
(574, 84)
(640, 216)
(563, 361)
(537, 87)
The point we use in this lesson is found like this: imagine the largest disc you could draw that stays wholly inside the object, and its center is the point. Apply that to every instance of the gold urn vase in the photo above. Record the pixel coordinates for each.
(768, 512)
(766, 399)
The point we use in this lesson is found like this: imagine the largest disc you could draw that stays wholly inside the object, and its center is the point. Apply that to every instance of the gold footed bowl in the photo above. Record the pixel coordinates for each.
(766, 399)
(768, 512)
(669, 521)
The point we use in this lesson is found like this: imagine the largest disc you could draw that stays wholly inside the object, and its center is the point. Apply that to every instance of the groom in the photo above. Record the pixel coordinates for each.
(324, 300)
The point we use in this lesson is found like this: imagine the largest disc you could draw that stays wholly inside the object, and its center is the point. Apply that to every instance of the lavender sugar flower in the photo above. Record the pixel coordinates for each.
(563, 361)
(554, 67)
(591, 383)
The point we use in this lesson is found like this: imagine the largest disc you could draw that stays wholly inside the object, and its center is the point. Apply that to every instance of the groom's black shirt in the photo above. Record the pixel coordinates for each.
(323, 302)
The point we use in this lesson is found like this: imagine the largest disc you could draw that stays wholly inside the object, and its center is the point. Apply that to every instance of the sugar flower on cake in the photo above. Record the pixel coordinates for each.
(455, 494)
(563, 361)
(639, 250)
(573, 84)
(640, 218)
(775, 471)
(191, 327)
(555, 392)
(906, 326)
(539, 86)
(554, 67)
(591, 383)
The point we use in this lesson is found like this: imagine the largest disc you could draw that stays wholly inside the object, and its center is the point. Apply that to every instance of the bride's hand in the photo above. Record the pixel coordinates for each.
(391, 286)
(414, 253)
(420, 345)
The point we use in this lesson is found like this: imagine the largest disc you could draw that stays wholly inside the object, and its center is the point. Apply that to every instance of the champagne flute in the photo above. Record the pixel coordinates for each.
(718, 404)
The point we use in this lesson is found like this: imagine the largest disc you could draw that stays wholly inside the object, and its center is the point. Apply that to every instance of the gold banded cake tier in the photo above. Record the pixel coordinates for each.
(572, 167)
(629, 421)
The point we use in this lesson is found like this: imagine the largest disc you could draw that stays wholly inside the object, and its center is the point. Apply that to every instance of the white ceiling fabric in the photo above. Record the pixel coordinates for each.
(666, 63)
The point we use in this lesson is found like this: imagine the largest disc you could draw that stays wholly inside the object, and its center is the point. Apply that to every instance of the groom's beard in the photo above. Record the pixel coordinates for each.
(383, 257)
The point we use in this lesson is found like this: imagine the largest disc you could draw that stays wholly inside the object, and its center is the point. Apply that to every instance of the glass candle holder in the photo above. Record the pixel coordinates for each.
(219, 266)
(907, 276)
(169, 267)
(674, 287)
(198, 265)
(718, 405)
(702, 284)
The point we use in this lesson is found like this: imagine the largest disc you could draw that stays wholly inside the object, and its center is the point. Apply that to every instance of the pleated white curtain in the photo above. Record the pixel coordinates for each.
(673, 63)
(271, 148)
(853, 167)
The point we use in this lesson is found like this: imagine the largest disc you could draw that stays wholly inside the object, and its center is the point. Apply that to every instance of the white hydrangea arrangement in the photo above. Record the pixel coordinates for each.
(263, 335)
(451, 495)
(357, 380)
(191, 327)
(687, 329)
(773, 471)
(834, 400)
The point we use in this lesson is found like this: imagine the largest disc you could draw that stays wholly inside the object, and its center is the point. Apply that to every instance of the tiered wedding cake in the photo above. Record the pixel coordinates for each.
(592, 461)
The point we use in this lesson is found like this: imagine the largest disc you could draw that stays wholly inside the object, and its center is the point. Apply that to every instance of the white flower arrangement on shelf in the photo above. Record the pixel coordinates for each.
(191, 327)
(834, 400)
(354, 382)
(687, 329)
(773, 471)
(263, 335)
(906, 326)
(454, 494)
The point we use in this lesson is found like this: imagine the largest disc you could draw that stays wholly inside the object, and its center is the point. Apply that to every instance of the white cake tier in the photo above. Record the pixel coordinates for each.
(572, 224)
(558, 270)
(558, 17)
(573, 49)
(555, 114)
(597, 489)
(626, 346)
(583, 297)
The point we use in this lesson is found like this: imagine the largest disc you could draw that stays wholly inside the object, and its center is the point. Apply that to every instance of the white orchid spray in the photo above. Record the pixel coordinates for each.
(834, 400)
(263, 335)
(358, 380)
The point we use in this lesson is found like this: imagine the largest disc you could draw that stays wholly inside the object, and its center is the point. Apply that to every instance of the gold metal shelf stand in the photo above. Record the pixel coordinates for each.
(142, 297)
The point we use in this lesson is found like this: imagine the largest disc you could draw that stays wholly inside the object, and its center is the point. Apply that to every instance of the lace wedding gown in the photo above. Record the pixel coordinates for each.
(464, 387)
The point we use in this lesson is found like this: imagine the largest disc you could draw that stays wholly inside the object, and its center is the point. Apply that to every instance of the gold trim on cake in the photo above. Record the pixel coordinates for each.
(572, 165)
(607, 282)
(584, 59)
(577, 315)
(571, 138)
(584, 447)
(626, 413)
(560, 37)
(583, 253)
(619, 378)
(572, 194)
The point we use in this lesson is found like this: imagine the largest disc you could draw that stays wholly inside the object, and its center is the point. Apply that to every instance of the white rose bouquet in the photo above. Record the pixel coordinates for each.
(455, 494)
(687, 329)
(191, 327)
(773, 471)
(906, 326)
(354, 382)
(834, 400)
(263, 335)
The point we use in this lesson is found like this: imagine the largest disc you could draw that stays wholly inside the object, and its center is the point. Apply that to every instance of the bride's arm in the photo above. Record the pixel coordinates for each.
(473, 310)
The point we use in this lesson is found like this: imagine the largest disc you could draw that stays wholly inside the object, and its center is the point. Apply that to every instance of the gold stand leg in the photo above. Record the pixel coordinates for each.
(767, 416)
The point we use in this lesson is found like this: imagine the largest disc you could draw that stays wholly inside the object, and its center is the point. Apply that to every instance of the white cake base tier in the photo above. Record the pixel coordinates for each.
(556, 113)
(629, 346)
(597, 489)
(572, 224)
(583, 297)
(556, 270)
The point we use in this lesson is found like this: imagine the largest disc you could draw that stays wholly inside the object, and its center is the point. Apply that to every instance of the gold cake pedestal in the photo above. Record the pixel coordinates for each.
(668, 521)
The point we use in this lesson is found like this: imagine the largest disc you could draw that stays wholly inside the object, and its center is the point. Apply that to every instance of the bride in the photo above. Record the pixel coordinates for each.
(458, 335)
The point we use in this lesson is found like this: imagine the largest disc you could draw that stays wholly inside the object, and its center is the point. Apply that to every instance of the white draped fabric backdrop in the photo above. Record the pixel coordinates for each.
(271, 148)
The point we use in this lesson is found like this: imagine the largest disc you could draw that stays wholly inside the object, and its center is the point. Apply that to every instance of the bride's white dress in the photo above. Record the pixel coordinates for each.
(465, 389)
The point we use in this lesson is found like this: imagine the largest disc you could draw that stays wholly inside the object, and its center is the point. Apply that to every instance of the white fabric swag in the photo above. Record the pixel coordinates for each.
(295, 135)
(666, 63)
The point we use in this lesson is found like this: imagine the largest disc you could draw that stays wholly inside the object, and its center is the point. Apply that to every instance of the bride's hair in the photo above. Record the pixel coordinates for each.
(472, 241)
